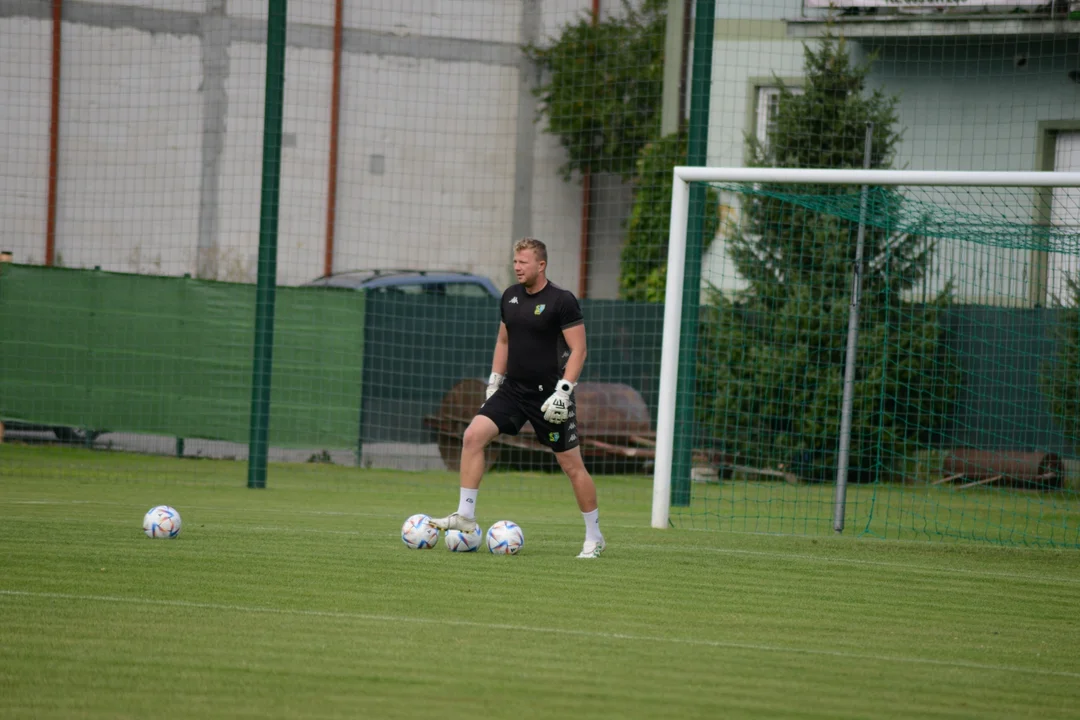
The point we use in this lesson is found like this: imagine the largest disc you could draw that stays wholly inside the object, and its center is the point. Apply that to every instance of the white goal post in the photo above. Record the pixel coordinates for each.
(680, 199)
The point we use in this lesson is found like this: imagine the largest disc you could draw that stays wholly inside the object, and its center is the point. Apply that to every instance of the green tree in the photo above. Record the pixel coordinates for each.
(601, 87)
(772, 356)
(601, 96)
(643, 272)
(1061, 375)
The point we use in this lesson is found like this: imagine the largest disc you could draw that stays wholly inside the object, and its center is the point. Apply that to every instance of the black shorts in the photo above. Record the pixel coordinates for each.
(514, 403)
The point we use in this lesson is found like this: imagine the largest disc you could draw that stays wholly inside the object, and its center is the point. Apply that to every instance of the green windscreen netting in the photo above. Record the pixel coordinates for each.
(112, 352)
(965, 415)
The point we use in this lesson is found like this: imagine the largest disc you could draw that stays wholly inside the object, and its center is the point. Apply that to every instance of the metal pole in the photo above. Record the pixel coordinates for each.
(54, 134)
(888, 178)
(701, 82)
(674, 42)
(669, 354)
(265, 291)
(852, 343)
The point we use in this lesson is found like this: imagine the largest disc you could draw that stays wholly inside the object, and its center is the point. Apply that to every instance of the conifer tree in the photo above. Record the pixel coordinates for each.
(772, 357)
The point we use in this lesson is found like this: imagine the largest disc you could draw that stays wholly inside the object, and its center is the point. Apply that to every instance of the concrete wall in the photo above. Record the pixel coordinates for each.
(24, 143)
(440, 161)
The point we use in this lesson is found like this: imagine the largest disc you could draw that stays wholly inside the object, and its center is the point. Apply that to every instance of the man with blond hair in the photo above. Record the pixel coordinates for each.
(538, 358)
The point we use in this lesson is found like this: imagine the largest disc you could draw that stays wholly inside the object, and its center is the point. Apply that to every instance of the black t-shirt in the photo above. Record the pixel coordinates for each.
(534, 324)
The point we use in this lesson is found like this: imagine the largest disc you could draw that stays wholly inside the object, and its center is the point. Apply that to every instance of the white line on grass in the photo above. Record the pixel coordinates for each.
(290, 511)
(658, 546)
(853, 561)
(552, 522)
(367, 617)
(1049, 580)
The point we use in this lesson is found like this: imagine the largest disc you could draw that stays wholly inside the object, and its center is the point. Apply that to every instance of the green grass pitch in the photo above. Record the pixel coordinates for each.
(300, 600)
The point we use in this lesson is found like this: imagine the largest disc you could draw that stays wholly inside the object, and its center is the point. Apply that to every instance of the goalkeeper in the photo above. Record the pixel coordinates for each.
(538, 357)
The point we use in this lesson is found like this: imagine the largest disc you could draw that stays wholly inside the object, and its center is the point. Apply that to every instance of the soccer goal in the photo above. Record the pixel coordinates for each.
(893, 352)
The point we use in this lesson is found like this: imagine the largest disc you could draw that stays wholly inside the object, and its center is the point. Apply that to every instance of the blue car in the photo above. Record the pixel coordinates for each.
(435, 283)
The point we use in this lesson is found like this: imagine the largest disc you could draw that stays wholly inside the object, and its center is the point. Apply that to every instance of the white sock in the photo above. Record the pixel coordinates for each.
(467, 503)
(592, 526)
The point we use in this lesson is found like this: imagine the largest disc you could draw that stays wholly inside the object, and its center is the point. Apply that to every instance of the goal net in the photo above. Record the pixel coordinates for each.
(925, 384)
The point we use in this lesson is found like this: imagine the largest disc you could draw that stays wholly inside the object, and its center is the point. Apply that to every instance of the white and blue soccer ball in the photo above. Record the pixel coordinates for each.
(505, 538)
(161, 521)
(418, 533)
(459, 541)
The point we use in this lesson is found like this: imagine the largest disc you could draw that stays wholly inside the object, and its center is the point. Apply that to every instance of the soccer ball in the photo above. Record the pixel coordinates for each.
(161, 522)
(458, 541)
(505, 538)
(417, 534)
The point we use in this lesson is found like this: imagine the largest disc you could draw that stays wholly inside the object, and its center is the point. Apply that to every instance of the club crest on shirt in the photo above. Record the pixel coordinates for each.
(553, 437)
(539, 309)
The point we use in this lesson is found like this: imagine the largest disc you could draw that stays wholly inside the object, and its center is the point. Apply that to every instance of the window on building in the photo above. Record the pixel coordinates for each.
(768, 109)
(1064, 213)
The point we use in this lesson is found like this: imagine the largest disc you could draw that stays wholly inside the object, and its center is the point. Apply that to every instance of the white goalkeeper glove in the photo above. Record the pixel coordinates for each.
(493, 384)
(556, 408)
